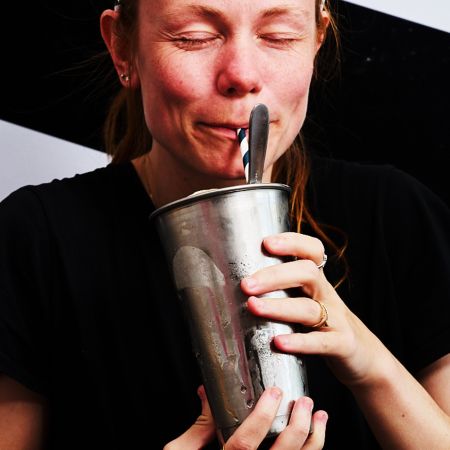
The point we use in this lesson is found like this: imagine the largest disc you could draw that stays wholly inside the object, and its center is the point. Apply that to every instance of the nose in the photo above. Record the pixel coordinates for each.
(239, 70)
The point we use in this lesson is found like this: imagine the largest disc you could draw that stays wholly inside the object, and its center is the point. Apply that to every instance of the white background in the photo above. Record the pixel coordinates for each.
(433, 13)
(29, 157)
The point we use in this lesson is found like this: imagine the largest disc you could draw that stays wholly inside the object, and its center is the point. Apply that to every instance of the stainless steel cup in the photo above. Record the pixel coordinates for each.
(212, 240)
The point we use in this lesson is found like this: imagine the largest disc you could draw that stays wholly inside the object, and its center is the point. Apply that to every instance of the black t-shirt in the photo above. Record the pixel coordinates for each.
(89, 317)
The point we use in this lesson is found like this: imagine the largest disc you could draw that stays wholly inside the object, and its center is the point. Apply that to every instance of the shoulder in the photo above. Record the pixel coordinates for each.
(382, 187)
(366, 175)
(70, 196)
(381, 207)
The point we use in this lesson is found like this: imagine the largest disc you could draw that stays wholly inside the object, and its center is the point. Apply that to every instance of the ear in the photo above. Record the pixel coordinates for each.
(118, 49)
(322, 29)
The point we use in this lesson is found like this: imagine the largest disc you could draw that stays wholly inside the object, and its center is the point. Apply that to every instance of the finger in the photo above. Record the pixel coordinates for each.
(297, 431)
(316, 439)
(301, 273)
(322, 342)
(255, 427)
(200, 433)
(294, 310)
(295, 244)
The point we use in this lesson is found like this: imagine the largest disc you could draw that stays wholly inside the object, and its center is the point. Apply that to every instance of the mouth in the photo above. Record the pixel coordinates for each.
(227, 130)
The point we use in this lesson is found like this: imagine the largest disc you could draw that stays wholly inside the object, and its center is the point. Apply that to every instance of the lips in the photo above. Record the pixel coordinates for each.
(233, 126)
(227, 130)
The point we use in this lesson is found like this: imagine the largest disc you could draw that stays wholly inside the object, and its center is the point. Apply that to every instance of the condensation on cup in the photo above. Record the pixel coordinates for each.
(212, 240)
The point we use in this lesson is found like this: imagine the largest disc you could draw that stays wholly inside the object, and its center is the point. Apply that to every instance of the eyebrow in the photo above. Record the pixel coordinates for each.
(213, 13)
(284, 11)
(198, 10)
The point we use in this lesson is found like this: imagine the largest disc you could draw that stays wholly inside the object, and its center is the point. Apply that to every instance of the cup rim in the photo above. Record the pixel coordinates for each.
(208, 193)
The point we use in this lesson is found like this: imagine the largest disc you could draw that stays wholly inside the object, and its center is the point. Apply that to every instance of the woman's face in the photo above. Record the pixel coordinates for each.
(204, 64)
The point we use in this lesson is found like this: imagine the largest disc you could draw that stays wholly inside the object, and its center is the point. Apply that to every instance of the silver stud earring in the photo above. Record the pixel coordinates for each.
(125, 77)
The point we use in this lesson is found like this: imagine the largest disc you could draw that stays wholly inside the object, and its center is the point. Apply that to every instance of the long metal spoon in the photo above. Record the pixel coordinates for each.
(257, 143)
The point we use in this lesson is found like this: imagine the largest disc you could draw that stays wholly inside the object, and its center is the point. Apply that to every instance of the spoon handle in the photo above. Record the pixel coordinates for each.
(258, 136)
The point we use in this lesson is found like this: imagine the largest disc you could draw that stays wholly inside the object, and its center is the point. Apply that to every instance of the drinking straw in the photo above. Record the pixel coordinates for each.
(243, 144)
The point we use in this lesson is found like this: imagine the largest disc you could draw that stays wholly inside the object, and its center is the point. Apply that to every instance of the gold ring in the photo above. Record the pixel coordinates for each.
(323, 316)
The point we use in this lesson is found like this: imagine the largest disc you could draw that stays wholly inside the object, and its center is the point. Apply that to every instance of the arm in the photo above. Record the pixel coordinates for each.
(404, 414)
(22, 416)
(435, 379)
(401, 413)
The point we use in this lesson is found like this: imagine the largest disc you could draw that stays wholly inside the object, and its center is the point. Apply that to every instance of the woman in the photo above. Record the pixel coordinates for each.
(93, 340)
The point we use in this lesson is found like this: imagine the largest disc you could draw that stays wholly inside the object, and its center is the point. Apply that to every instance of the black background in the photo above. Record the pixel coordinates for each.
(389, 104)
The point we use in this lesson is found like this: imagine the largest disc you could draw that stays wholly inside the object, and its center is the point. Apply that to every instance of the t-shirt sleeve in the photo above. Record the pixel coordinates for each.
(26, 267)
(417, 231)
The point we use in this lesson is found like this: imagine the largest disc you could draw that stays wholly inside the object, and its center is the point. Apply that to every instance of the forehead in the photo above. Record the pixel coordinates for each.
(236, 10)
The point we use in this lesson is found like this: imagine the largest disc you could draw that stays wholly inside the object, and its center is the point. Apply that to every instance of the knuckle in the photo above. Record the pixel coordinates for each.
(312, 309)
(317, 439)
(310, 270)
(242, 442)
(300, 429)
(264, 417)
(318, 243)
(324, 346)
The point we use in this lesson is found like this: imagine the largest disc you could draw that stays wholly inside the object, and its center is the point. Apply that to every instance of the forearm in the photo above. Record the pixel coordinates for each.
(399, 410)
(22, 416)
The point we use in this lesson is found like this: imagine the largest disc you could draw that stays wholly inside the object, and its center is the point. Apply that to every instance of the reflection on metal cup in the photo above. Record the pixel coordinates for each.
(212, 240)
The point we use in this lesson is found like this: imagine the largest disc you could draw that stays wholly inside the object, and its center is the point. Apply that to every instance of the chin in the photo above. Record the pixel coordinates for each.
(224, 169)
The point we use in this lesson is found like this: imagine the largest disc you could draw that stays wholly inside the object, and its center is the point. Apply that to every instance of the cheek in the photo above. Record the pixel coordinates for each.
(292, 100)
(168, 87)
(296, 90)
(167, 81)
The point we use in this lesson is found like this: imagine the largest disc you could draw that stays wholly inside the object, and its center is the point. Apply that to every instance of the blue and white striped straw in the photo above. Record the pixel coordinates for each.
(243, 144)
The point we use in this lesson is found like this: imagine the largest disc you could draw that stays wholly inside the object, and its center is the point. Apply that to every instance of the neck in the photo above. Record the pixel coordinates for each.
(166, 181)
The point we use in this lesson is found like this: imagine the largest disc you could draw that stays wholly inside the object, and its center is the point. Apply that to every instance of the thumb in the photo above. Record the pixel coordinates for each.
(206, 414)
(200, 433)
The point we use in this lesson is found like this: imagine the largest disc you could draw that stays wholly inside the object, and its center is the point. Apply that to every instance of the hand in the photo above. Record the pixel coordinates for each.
(296, 435)
(200, 433)
(255, 427)
(346, 342)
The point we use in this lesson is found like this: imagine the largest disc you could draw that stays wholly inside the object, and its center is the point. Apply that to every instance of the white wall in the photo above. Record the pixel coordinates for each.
(29, 157)
(432, 13)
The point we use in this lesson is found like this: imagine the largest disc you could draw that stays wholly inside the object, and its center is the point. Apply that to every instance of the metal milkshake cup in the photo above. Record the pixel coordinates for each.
(212, 240)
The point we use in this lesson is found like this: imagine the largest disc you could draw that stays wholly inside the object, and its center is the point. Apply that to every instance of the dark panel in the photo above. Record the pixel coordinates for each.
(52, 79)
(389, 105)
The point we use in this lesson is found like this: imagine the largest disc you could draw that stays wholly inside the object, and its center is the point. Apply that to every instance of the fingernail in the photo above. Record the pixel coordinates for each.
(307, 403)
(250, 283)
(275, 393)
(260, 304)
(201, 393)
(282, 340)
(274, 241)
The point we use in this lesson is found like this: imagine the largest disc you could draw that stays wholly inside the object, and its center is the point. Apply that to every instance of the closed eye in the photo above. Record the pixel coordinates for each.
(280, 39)
(194, 41)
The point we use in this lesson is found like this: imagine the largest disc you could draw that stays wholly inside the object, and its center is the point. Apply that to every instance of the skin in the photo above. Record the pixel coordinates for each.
(201, 70)
(194, 95)
(22, 416)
